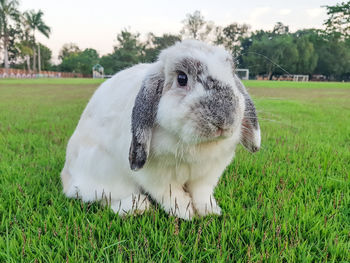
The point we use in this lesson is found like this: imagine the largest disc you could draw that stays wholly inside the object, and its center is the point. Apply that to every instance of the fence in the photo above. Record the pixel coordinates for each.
(29, 74)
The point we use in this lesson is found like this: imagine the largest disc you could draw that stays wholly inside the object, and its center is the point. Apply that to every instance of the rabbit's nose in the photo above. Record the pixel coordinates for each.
(223, 132)
(224, 122)
(219, 132)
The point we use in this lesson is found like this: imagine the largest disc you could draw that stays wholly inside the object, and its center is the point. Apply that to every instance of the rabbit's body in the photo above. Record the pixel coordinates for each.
(97, 154)
(182, 168)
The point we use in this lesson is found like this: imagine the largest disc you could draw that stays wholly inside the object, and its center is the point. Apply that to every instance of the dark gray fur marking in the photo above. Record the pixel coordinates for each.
(191, 66)
(143, 118)
(217, 109)
(250, 111)
(250, 119)
(210, 83)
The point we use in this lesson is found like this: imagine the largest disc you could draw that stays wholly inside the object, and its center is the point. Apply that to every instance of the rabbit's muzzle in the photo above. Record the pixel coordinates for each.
(215, 113)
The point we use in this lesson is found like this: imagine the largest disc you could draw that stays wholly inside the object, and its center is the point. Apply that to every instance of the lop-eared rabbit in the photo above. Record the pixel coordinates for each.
(164, 131)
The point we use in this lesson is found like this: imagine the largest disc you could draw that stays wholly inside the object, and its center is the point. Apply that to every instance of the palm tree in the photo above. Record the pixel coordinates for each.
(36, 23)
(8, 11)
(26, 44)
(26, 51)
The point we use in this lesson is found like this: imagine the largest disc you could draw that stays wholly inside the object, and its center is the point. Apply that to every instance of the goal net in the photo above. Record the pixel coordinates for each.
(242, 73)
(300, 77)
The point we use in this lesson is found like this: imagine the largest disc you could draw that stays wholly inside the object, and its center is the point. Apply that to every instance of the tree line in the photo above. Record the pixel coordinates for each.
(17, 32)
(264, 52)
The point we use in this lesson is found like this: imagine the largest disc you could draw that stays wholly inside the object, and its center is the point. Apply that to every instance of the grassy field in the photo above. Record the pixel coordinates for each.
(290, 202)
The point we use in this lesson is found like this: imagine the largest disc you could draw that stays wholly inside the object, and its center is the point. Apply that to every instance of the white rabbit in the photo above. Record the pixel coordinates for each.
(166, 130)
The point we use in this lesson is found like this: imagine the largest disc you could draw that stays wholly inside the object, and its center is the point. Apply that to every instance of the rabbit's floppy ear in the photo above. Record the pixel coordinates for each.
(250, 134)
(143, 117)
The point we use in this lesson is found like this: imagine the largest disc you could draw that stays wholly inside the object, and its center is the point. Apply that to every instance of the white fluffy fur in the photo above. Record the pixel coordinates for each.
(180, 173)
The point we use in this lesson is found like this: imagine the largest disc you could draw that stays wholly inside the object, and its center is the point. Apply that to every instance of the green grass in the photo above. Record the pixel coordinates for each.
(290, 202)
(291, 84)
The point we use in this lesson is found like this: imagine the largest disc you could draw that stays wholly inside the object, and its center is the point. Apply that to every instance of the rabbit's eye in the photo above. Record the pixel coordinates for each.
(182, 79)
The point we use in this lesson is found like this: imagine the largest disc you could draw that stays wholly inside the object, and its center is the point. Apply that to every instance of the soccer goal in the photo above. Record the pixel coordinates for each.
(97, 71)
(300, 77)
(242, 73)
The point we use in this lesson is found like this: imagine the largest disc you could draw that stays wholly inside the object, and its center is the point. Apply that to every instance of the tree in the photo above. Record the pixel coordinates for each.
(156, 44)
(80, 62)
(339, 19)
(25, 51)
(25, 44)
(272, 55)
(280, 29)
(36, 23)
(334, 58)
(14, 33)
(308, 58)
(196, 27)
(333, 53)
(67, 50)
(8, 12)
(45, 57)
(88, 58)
(231, 37)
(127, 52)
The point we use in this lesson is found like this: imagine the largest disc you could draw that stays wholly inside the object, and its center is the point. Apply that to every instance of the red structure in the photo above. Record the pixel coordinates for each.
(29, 74)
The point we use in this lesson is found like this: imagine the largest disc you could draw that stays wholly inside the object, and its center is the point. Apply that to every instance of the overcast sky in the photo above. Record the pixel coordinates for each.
(96, 23)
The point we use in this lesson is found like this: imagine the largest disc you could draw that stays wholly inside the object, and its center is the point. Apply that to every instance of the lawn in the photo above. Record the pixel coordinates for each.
(290, 202)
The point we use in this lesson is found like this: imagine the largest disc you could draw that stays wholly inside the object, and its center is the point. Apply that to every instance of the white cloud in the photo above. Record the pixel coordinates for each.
(315, 12)
(284, 11)
(259, 18)
(258, 12)
(204, 12)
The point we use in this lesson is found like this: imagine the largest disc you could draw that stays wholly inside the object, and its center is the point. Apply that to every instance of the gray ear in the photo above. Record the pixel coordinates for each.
(250, 134)
(143, 118)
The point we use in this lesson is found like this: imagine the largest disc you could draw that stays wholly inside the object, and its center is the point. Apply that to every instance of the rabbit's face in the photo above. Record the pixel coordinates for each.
(192, 93)
(200, 101)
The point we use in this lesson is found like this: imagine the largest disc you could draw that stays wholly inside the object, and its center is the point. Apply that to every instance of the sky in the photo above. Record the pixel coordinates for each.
(95, 24)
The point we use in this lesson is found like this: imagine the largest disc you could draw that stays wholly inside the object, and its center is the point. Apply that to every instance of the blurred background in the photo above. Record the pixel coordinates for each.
(307, 40)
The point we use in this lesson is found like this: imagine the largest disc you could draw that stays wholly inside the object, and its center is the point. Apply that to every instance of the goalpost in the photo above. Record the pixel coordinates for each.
(98, 71)
(300, 77)
(242, 73)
